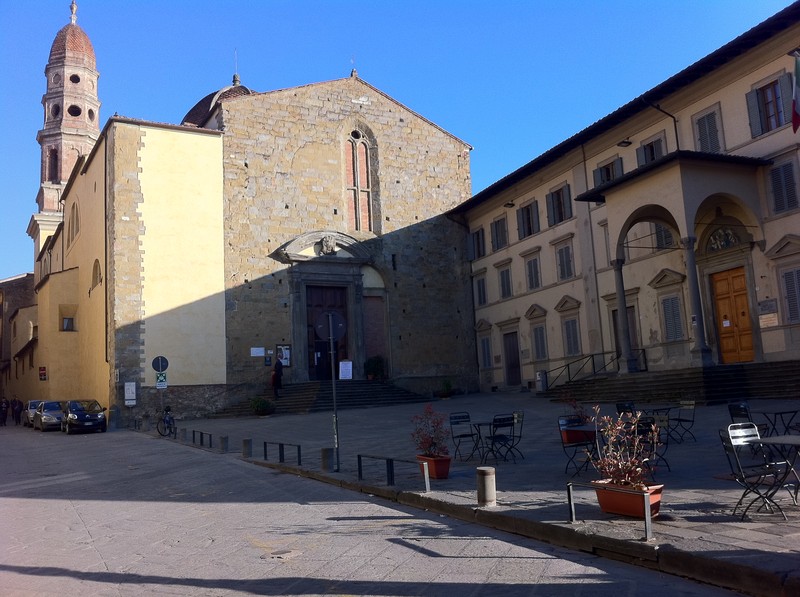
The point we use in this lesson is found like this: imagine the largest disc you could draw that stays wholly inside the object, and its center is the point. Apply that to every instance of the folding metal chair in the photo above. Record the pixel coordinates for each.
(461, 430)
(740, 413)
(752, 468)
(682, 423)
(519, 418)
(575, 442)
(500, 439)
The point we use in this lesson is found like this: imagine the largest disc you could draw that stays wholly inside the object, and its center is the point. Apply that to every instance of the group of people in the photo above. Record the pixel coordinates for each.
(14, 407)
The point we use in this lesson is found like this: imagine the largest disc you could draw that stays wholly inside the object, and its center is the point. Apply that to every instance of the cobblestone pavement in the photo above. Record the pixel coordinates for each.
(126, 513)
(696, 535)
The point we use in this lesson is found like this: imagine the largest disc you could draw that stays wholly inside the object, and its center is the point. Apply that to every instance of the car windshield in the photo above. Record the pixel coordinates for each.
(89, 406)
(32, 404)
(51, 406)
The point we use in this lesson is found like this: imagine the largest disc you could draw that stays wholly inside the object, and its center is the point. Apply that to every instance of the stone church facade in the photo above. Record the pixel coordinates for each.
(257, 227)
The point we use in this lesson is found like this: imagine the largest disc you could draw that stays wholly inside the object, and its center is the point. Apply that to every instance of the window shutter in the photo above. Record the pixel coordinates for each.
(535, 214)
(571, 337)
(784, 190)
(791, 283)
(658, 149)
(708, 133)
(754, 113)
(785, 84)
(520, 224)
(617, 167)
(567, 203)
(641, 156)
(550, 210)
(672, 321)
(493, 230)
(597, 176)
(539, 343)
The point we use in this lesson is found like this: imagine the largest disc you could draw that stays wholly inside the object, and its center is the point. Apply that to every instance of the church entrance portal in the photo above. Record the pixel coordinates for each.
(320, 300)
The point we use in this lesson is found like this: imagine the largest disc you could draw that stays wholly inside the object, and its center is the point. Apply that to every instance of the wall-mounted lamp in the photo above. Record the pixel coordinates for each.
(508, 204)
(624, 143)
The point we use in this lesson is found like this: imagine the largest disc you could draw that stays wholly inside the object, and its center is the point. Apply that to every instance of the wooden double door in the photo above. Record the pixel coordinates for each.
(732, 315)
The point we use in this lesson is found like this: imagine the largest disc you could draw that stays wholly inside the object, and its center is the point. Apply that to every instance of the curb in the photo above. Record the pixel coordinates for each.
(665, 558)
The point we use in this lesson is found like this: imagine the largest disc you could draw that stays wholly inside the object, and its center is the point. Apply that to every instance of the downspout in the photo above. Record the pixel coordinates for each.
(105, 239)
(674, 121)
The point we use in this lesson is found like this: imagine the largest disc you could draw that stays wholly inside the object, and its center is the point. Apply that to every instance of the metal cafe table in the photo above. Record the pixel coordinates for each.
(778, 421)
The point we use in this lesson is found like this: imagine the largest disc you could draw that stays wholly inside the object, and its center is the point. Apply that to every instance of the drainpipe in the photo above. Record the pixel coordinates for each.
(674, 121)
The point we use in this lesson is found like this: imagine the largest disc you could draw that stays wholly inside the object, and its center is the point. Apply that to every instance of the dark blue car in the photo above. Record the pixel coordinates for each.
(83, 415)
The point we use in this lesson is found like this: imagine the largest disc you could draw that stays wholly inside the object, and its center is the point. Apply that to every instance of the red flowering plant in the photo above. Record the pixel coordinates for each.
(627, 447)
(430, 433)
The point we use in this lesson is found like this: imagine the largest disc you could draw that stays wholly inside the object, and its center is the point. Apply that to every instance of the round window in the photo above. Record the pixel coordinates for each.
(56, 78)
(356, 134)
(75, 78)
(91, 115)
(74, 110)
(55, 110)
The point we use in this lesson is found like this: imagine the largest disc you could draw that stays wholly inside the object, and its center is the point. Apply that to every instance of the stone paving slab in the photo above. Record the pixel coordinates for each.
(696, 535)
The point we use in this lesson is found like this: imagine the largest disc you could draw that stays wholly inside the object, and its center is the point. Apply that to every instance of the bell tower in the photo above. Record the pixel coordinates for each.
(71, 121)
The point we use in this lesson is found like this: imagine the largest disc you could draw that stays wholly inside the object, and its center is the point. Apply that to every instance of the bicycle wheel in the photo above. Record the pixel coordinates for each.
(162, 428)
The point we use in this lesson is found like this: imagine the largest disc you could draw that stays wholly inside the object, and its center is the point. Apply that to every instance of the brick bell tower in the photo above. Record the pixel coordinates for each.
(71, 122)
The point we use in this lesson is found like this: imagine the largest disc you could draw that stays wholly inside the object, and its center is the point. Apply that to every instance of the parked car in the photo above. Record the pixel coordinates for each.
(48, 415)
(83, 415)
(27, 413)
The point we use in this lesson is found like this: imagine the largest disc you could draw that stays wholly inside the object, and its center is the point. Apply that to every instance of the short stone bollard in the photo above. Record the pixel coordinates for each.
(487, 492)
(223, 443)
(326, 459)
(247, 448)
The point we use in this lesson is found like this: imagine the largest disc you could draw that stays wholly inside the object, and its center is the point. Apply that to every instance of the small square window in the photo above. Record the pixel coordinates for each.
(68, 324)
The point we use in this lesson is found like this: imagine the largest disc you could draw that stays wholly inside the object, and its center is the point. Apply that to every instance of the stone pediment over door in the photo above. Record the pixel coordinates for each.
(321, 245)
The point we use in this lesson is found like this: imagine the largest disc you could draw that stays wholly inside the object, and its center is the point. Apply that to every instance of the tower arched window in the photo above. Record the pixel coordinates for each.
(359, 185)
(53, 174)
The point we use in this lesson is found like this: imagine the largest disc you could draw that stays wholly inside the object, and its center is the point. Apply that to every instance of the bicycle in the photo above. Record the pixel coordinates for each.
(166, 424)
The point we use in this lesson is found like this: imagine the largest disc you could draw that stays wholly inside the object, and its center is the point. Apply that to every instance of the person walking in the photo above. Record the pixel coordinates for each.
(4, 406)
(16, 410)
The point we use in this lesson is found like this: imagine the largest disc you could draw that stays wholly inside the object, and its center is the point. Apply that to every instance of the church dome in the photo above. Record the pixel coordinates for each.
(72, 41)
(202, 110)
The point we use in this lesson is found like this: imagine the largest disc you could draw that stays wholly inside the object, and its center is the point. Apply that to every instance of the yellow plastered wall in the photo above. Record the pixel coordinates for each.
(183, 298)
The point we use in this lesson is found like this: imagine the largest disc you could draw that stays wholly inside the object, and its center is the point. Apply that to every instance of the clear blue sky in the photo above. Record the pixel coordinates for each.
(511, 78)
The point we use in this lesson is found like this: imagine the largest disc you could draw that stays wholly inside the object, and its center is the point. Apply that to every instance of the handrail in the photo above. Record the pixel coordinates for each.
(574, 368)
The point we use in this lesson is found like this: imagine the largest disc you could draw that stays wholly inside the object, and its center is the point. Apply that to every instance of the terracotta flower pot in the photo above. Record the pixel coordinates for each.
(438, 466)
(625, 503)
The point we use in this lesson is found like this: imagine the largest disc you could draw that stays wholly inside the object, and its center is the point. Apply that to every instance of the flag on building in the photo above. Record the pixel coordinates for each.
(796, 96)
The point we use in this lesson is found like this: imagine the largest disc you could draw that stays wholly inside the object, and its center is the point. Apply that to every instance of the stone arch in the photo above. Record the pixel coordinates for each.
(647, 213)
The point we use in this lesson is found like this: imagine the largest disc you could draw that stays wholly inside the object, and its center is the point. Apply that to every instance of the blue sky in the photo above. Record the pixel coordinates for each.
(511, 78)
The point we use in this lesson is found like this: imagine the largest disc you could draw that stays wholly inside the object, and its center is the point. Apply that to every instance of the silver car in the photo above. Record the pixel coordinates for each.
(48, 415)
(27, 413)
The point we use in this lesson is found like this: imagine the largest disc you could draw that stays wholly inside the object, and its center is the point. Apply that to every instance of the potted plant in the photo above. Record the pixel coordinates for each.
(431, 436)
(261, 406)
(373, 367)
(622, 462)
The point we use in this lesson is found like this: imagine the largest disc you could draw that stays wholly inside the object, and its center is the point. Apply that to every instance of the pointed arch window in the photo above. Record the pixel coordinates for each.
(74, 224)
(359, 183)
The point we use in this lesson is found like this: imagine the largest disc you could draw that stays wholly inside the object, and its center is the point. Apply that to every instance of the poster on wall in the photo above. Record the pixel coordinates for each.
(283, 353)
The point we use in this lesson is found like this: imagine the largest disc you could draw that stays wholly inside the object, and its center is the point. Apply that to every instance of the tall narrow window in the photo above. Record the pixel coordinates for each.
(53, 175)
(784, 190)
(791, 293)
(671, 308)
(499, 234)
(505, 283)
(480, 291)
(477, 245)
(528, 220)
(572, 343)
(564, 266)
(486, 352)
(532, 272)
(559, 206)
(707, 132)
(539, 335)
(359, 189)
(769, 106)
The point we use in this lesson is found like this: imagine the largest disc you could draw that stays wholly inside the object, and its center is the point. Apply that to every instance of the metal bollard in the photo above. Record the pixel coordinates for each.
(183, 433)
(487, 493)
(247, 448)
(223, 443)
